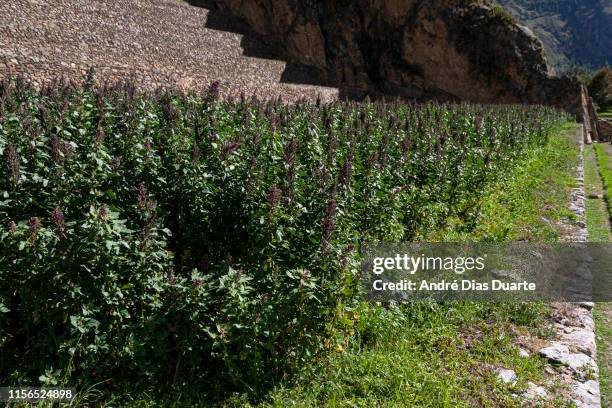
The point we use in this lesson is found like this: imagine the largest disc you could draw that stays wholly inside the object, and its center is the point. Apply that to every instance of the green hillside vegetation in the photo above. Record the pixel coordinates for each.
(600, 89)
(574, 32)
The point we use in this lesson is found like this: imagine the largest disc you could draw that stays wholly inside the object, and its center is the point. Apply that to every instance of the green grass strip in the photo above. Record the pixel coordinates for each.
(597, 223)
(605, 114)
(603, 324)
(597, 216)
(604, 159)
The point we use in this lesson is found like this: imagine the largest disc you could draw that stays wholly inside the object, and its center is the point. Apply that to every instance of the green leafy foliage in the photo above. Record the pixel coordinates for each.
(175, 239)
(604, 160)
(600, 88)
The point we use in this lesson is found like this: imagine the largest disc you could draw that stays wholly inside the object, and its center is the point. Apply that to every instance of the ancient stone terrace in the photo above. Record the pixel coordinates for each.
(157, 43)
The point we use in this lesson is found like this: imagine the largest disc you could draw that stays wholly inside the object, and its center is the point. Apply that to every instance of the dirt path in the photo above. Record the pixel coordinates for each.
(155, 42)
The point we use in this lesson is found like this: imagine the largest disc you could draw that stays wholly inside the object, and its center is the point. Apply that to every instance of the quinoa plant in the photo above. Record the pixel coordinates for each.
(184, 239)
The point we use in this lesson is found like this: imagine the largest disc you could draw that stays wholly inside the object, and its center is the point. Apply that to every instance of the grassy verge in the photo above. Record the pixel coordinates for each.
(426, 355)
(598, 168)
(602, 315)
(596, 209)
(604, 159)
(603, 322)
(432, 355)
(605, 114)
(531, 203)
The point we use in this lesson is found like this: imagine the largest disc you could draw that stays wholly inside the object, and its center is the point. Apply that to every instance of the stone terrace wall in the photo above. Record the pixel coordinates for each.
(446, 49)
(157, 43)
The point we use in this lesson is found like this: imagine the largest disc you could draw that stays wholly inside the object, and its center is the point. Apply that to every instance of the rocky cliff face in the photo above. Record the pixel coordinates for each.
(447, 49)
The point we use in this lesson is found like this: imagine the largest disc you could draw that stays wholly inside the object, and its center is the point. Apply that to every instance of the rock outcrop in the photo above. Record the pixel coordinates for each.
(446, 49)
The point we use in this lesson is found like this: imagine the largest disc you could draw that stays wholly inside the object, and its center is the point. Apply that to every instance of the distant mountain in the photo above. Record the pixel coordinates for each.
(574, 32)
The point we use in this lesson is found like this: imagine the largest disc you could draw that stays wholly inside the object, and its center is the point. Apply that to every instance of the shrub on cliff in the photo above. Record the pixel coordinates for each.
(600, 88)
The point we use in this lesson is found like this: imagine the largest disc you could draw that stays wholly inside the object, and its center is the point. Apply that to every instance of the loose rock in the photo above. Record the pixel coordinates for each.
(506, 376)
(535, 391)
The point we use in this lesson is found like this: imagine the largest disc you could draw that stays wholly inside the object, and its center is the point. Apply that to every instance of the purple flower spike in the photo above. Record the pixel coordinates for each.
(57, 217)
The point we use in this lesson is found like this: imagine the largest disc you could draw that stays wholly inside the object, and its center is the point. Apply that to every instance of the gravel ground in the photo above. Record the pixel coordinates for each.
(156, 43)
